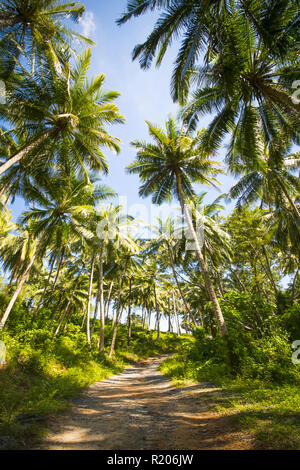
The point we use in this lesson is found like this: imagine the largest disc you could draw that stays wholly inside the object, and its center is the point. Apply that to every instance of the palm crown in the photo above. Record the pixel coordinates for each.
(174, 153)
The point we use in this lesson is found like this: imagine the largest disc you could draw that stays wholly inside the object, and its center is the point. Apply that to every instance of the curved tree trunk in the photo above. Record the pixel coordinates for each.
(106, 307)
(68, 304)
(280, 97)
(22, 281)
(101, 302)
(175, 314)
(208, 284)
(286, 193)
(172, 262)
(129, 316)
(118, 315)
(37, 309)
(157, 314)
(26, 150)
(56, 277)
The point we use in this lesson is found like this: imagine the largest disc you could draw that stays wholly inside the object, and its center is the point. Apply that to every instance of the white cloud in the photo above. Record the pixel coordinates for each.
(88, 25)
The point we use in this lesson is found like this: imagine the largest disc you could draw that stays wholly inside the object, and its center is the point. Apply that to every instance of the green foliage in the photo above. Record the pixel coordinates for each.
(42, 374)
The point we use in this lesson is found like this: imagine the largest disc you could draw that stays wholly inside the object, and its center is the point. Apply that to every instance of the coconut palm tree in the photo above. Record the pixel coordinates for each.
(269, 176)
(112, 234)
(127, 249)
(169, 167)
(36, 30)
(63, 116)
(165, 237)
(204, 26)
(63, 202)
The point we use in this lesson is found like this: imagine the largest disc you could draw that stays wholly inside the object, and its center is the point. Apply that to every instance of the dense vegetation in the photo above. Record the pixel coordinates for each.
(73, 259)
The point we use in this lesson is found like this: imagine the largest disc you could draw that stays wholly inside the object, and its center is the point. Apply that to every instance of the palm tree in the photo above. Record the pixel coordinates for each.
(34, 29)
(204, 26)
(127, 248)
(112, 234)
(166, 237)
(63, 116)
(170, 167)
(61, 203)
(268, 176)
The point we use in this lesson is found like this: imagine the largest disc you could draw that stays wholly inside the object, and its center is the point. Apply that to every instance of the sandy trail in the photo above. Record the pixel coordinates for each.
(140, 409)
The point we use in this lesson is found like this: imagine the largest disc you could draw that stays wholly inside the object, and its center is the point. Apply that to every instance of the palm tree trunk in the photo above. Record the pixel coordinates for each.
(101, 301)
(280, 97)
(271, 277)
(208, 284)
(36, 311)
(284, 190)
(179, 287)
(294, 285)
(157, 313)
(55, 309)
(106, 308)
(129, 316)
(4, 21)
(22, 281)
(69, 303)
(149, 320)
(113, 341)
(26, 150)
(88, 329)
(175, 314)
(95, 311)
(6, 185)
(237, 278)
(56, 277)
(169, 316)
(68, 318)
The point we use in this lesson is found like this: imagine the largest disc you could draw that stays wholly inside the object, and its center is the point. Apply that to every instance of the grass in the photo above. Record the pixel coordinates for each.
(270, 412)
(41, 377)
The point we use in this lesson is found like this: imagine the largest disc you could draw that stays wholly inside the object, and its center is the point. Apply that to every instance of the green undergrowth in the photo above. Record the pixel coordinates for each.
(41, 375)
(259, 386)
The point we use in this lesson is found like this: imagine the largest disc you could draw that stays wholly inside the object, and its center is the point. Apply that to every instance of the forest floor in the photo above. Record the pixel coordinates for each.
(141, 409)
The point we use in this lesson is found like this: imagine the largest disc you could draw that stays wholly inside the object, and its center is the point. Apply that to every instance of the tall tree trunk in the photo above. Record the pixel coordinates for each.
(149, 320)
(286, 193)
(6, 185)
(26, 150)
(129, 316)
(172, 262)
(106, 308)
(175, 314)
(57, 274)
(294, 285)
(280, 97)
(88, 330)
(157, 313)
(169, 316)
(55, 309)
(68, 318)
(36, 311)
(68, 303)
(101, 301)
(271, 277)
(95, 312)
(237, 278)
(219, 283)
(113, 341)
(208, 284)
(22, 280)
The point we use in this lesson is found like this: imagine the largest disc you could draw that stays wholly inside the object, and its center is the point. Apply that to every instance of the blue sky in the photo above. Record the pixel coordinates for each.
(144, 95)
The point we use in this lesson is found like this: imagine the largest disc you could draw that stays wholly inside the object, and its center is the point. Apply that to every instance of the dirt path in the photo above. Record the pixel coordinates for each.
(140, 409)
